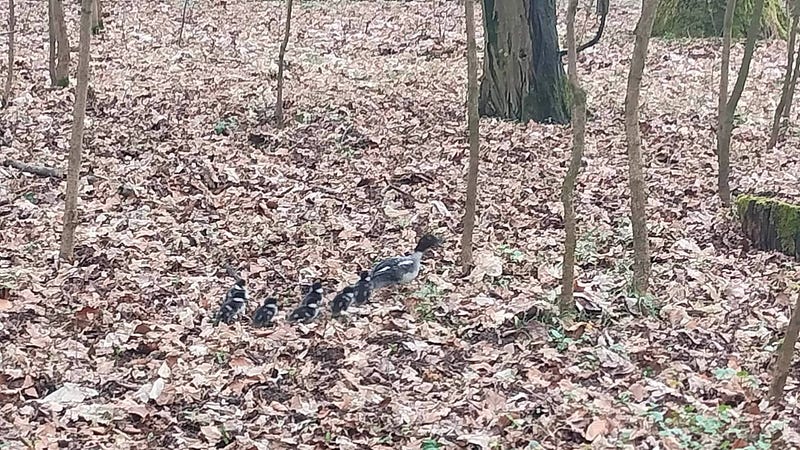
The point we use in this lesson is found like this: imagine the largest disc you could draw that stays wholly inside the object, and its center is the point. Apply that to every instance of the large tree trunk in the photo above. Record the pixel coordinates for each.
(704, 18)
(567, 303)
(523, 78)
(641, 247)
(76, 140)
(62, 41)
(474, 147)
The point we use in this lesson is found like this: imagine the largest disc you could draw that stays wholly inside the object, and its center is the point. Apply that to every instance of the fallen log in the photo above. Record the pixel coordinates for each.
(770, 223)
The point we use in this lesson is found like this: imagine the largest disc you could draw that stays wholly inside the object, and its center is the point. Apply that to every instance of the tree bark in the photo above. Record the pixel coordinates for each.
(523, 78)
(12, 21)
(787, 80)
(51, 34)
(723, 157)
(704, 18)
(787, 110)
(183, 21)
(641, 247)
(785, 354)
(62, 40)
(97, 17)
(281, 57)
(474, 145)
(76, 141)
(567, 303)
(725, 128)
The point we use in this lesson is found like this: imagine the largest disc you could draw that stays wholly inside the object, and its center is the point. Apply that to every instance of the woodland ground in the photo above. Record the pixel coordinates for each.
(189, 175)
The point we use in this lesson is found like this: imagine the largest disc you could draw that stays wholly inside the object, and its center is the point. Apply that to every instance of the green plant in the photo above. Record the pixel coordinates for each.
(223, 126)
(512, 254)
(430, 444)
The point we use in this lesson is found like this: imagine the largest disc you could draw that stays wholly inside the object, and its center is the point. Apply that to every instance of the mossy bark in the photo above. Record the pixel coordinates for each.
(770, 223)
(523, 78)
(696, 18)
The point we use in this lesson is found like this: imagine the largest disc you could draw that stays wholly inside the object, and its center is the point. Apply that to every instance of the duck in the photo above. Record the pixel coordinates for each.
(233, 303)
(362, 289)
(314, 294)
(401, 269)
(342, 301)
(305, 313)
(264, 314)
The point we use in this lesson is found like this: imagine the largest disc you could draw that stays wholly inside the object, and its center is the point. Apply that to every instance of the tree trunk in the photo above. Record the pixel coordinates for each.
(183, 21)
(97, 17)
(787, 80)
(523, 78)
(704, 18)
(12, 21)
(770, 224)
(641, 248)
(567, 303)
(281, 57)
(474, 145)
(725, 129)
(785, 353)
(787, 110)
(62, 40)
(76, 141)
(723, 157)
(51, 34)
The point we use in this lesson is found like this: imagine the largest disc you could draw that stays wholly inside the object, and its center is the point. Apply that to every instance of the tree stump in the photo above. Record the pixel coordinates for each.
(771, 224)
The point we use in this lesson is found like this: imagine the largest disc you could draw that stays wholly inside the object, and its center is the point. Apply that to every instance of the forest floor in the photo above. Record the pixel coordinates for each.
(118, 350)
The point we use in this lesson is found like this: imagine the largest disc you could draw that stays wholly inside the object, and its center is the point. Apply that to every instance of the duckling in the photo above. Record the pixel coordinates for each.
(342, 301)
(362, 289)
(314, 294)
(305, 313)
(402, 269)
(233, 304)
(264, 314)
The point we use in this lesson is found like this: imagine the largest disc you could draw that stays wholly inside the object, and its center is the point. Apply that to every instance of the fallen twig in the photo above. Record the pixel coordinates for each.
(36, 170)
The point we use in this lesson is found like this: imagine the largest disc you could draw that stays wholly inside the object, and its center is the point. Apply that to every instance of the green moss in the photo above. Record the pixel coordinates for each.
(63, 82)
(694, 18)
(786, 217)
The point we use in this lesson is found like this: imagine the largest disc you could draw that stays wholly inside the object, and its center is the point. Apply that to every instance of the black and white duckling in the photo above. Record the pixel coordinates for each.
(362, 289)
(304, 313)
(402, 269)
(314, 294)
(233, 304)
(264, 314)
(342, 301)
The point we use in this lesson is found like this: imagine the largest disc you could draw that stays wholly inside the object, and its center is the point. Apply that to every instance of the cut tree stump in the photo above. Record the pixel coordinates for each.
(771, 224)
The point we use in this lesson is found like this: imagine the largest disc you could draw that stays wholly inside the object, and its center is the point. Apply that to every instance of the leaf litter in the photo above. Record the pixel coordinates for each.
(183, 172)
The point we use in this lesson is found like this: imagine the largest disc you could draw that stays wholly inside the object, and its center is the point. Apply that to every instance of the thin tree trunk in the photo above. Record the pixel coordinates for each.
(787, 80)
(62, 65)
(183, 21)
(723, 156)
(97, 17)
(76, 141)
(281, 57)
(474, 145)
(725, 129)
(12, 21)
(787, 110)
(641, 248)
(51, 33)
(785, 353)
(567, 304)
